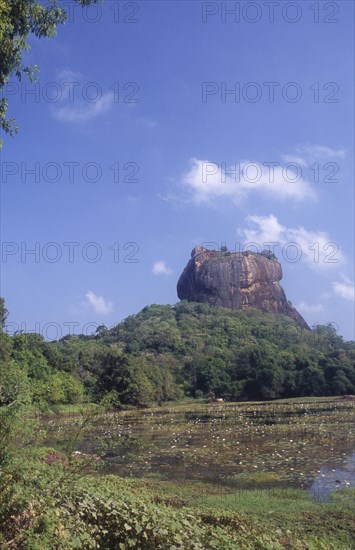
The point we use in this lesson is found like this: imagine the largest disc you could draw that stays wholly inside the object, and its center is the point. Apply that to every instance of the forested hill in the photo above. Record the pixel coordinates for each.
(168, 352)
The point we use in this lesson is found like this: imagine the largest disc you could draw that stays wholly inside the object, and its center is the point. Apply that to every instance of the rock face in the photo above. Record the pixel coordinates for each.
(236, 281)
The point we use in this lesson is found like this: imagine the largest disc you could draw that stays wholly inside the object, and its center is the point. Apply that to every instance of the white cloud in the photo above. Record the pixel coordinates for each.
(148, 121)
(266, 229)
(84, 110)
(68, 75)
(345, 289)
(325, 295)
(160, 268)
(315, 248)
(289, 178)
(208, 180)
(305, 155)
(295, 159)
(321, 151)
(72, 105)
(309, 308)
(99, 304)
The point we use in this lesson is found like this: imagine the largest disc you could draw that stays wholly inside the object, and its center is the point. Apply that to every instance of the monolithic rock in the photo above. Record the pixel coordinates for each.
(237, 281)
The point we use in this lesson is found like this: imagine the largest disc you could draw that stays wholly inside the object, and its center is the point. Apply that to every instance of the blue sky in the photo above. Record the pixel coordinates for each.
(156, 126)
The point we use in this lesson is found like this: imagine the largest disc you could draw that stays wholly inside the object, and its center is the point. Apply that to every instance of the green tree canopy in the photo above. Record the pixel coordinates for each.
(165, 352)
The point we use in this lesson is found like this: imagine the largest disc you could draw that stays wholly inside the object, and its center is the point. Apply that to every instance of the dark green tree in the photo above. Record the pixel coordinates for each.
(3, 314)
(5, 340)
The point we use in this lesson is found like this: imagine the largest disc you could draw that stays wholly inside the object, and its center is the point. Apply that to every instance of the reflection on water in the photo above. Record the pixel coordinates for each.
(330, 480)
(237, 445)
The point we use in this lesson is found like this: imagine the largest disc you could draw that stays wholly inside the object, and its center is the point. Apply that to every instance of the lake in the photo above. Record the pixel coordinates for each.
(305, 444)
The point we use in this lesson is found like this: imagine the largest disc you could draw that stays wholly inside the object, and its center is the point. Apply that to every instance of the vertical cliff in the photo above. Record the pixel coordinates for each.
(236, 281)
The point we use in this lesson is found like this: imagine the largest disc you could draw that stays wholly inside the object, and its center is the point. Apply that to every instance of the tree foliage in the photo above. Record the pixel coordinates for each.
(167, 352)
